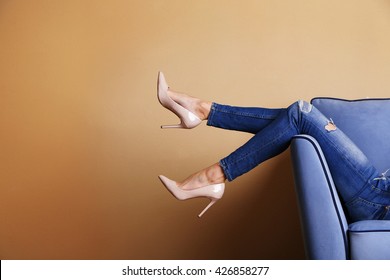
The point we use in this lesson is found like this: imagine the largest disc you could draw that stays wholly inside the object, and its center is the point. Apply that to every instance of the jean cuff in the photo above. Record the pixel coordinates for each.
(225, 169)
(210, 121)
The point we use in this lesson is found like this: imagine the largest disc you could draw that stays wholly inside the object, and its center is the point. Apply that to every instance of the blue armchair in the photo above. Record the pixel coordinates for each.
(327, 232)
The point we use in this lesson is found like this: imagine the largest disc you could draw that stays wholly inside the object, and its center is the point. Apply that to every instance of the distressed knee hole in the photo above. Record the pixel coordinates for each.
(330, 126)
(304, 106)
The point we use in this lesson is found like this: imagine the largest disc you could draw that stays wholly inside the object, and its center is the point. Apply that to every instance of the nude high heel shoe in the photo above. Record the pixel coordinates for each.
(187, 118)
(213, 192)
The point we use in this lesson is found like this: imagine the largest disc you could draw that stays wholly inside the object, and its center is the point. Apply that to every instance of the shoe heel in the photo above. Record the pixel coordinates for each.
(187, 118)
(212, 192)
(212, 202)
(172, 126)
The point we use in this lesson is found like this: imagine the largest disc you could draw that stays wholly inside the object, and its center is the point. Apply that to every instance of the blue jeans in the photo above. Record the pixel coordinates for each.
(363, 191)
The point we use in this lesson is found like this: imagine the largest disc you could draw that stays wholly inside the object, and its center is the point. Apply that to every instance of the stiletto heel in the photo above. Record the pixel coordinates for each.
(172, 126)
(187, 118)
(212, 202)
(213, 192)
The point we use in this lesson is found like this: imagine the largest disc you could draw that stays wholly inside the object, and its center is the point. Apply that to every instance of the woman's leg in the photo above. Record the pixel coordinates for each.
(274, 130)
(350, 168)
(246, 119)
(365, 193)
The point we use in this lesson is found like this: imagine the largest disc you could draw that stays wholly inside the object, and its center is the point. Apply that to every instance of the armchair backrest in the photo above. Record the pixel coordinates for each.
(365, 121)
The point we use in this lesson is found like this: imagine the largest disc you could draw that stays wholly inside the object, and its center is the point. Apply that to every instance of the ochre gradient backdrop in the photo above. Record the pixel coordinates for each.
(81, 144)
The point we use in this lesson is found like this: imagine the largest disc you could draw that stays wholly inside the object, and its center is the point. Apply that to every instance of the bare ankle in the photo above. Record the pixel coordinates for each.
(208, 176)
(205, 108)
(215, 174)
(197, 106)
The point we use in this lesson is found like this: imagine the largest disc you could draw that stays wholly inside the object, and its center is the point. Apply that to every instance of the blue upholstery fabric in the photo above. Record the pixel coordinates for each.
(370, 240)
(366, 122)
(327, 234)
(323, 221)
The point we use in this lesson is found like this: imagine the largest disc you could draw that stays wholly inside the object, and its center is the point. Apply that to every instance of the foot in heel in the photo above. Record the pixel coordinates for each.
(187, 118)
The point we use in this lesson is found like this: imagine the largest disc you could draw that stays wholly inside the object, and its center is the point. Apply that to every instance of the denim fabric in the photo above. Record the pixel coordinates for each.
(364, 191)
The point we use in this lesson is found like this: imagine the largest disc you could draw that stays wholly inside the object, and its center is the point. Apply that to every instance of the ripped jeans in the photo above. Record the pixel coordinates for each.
(363, 190)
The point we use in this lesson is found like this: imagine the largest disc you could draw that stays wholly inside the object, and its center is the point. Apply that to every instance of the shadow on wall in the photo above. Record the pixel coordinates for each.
(271, 216)
(252, 222)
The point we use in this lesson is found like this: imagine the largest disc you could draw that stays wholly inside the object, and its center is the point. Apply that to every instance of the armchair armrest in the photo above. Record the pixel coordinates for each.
(370, 240)
(322, 216)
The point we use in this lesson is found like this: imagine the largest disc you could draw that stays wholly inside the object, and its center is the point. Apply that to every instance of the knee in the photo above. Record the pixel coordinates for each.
(297, 110)
(304, 106)
(299, 107)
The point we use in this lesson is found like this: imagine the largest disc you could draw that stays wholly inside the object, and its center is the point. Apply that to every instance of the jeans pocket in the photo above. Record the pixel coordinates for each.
(361, 209)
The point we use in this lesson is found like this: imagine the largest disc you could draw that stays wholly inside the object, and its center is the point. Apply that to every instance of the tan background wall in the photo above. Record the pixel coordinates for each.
(81, 144)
